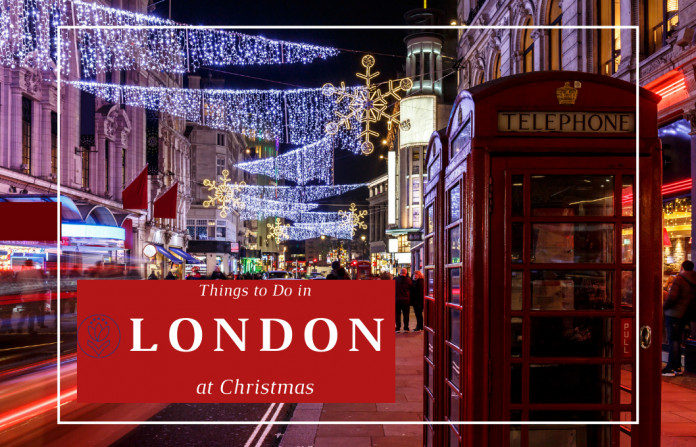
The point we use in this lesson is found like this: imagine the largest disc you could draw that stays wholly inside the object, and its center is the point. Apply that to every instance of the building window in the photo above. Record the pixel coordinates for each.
(106, 165)
(220, 164)
(418, 65)
(496, 66)
(416, 191)
(221, 139)
(123, 168)
(122, 81)
(481, 79)
(26, 134)
(609, 40)
(426, 66)
(555, 37)
(527, 49)
(656, 14)
(54, 143)
(416, 217)
(85, 167)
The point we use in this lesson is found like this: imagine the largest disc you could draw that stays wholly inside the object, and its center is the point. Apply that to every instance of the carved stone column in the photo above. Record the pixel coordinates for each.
(16, 128)
(45, 157)
(539, 38)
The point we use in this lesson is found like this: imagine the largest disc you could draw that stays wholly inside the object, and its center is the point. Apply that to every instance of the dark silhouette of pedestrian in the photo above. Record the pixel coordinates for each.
(337, 272)
(675, 306)
(403, 299)
(417, 296)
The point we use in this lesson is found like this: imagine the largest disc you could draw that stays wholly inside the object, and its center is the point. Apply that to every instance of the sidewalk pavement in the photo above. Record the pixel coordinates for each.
(679, 411)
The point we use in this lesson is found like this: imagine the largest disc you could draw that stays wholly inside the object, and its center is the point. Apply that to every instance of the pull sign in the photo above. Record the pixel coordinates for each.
(626, 337)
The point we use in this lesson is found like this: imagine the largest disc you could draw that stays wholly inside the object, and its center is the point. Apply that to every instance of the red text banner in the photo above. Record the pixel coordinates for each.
(235, 341)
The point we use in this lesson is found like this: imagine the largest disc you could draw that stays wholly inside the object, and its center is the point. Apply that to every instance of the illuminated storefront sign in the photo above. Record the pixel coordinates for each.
(587, 122)
(93, 231)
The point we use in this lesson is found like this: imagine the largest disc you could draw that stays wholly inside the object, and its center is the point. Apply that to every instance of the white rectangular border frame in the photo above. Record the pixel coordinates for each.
(636, 29)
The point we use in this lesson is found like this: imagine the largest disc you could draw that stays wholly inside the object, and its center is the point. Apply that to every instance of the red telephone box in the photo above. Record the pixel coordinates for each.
(531, 265)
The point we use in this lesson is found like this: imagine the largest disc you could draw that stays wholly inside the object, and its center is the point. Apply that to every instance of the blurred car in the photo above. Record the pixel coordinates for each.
(315, 275)
(277, 274)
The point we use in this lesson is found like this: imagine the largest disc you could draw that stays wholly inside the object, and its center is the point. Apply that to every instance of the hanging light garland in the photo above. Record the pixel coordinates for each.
(312, 162)
(28, 38)
(254, 113)
(301, 194)
(299, 232)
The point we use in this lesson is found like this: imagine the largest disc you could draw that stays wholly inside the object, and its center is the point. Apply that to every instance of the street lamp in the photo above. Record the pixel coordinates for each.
(363, 241)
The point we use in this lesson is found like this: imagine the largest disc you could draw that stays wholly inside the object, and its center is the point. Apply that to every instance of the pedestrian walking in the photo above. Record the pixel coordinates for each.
(680, 296)
(170, 276)
(417, 295)
(403, 299)
(337, 272)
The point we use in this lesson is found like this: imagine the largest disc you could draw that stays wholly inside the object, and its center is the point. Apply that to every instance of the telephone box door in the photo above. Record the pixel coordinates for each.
(563, 301)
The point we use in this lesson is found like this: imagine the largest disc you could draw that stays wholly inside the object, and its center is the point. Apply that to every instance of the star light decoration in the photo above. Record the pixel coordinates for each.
(278, 231)
(367, 105)
(352, 218)
(227, 195)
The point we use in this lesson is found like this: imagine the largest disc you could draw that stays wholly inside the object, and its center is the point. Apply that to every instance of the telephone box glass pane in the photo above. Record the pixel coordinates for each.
(429, 410)
(518, 195)
(454, 366)
(516, 383)
(453, 413)
(627, 244)
(431, 251)
(429, 385)
(569, 435)
(516, 290)
(454, 203)
(430, 220)
(429, 317)
(430, 345)
(572, 195)
(429, 437)
(516, 337)
(453, 438)
(556, 415)
(517, 242)
(455, 245)
(455, 290)
(570, 384)
(627, 290)
(578, 243)
(453, 335)
(572, 290)
(627, 195)
(431, 282)
(572, 337)
(626, 384)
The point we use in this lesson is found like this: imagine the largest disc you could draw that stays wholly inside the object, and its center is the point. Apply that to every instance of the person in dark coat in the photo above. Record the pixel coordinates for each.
(680, 296)
(170, 276)
(217, 274)
(403, 299)
(152, 276)
(417, 294)
(337, 272)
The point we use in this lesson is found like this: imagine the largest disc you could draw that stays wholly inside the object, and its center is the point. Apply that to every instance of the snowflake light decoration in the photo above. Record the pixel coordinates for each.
(227, 195)
(352, 219)
(367, 105)
(278, 232)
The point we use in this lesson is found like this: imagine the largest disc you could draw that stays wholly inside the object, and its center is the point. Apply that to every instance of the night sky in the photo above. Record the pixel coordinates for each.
(349, 168)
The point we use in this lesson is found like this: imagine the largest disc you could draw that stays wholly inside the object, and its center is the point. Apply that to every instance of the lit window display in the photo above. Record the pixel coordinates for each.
(676, 214)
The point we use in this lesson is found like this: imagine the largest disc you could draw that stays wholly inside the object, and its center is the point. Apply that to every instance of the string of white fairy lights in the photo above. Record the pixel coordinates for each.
(301, 194)
(254, 113)
(311, 162)
(28, 38)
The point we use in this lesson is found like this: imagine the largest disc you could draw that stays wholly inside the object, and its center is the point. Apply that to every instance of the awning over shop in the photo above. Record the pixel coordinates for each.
(187, 257)
(168, 255)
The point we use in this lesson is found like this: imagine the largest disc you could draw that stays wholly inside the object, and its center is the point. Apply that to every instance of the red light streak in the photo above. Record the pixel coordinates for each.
(28, 411)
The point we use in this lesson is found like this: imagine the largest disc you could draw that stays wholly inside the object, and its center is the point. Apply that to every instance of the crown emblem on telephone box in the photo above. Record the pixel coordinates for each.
(566, 94)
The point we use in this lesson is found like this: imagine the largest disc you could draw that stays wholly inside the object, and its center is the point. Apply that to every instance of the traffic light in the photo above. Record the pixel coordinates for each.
(315, 260)
(354, 263)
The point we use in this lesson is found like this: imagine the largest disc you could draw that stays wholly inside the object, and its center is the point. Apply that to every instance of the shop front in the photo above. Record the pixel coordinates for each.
(250, 261)
(210, 255)
(531, 265)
